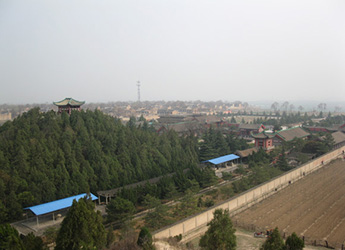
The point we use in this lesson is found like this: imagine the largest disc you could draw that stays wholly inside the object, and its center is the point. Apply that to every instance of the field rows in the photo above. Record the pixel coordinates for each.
(313, 207)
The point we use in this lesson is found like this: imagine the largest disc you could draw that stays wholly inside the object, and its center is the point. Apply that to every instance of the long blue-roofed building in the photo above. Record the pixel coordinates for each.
(53, 206)
(54, 209)
(222, 159)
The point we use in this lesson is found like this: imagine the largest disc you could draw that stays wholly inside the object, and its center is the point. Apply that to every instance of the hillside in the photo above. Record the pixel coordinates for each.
(47, 156)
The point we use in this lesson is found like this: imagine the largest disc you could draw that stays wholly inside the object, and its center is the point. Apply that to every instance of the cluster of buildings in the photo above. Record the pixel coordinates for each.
(196, 124)
(155, 110)
(194, 118)
(152, 110)
(5, 115)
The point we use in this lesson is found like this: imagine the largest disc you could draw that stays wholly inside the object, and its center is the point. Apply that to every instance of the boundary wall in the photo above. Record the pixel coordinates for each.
(248, 198)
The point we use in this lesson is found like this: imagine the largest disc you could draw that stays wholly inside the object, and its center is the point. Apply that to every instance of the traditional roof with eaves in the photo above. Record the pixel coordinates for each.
(338, 137)
(69, 102)
(251, 126)
(246, 152)
(263, 135)
(292, 133)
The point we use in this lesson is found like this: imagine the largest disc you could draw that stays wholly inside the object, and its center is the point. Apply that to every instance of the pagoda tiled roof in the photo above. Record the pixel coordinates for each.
(263, 135)
(246, 152)
(291, 133)
(250, 126)
(338, 137)
(69, 101)
(329, 128)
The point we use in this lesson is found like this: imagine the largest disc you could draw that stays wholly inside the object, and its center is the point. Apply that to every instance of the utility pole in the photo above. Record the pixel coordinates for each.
(138, 85)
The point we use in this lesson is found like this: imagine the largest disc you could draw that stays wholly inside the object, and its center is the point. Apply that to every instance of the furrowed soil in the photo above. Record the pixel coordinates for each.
(313, 207)
(245, 241)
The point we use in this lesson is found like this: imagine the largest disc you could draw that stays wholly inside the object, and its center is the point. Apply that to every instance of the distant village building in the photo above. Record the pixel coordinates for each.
(68, 104)
(5, 116)
(318, 129)
(182, 128)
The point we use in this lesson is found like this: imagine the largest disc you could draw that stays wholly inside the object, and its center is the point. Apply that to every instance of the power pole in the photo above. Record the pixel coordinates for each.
(138, 84)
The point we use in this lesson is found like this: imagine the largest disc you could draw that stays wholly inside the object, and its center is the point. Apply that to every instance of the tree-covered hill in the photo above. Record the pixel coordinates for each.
(47, 156)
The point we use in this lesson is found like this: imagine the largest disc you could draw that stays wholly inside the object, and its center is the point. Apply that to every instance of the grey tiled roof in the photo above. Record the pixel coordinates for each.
(292, 133)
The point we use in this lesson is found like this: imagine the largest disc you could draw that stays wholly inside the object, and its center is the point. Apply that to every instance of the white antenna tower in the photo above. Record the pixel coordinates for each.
(138, 84)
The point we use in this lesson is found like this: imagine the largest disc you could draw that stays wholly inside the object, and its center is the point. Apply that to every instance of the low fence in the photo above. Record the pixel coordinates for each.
(249, 197)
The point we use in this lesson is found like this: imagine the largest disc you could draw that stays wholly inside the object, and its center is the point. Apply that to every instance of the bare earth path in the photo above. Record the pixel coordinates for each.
(313, 207)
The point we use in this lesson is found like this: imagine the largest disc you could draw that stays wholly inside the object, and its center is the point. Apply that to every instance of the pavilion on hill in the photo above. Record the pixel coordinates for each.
(68, 104)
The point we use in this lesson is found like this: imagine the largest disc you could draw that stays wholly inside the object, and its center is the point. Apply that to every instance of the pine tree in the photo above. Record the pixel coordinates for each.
(32, 242)
(120, 209)
(220, 234)
(82, 227)
(9, 238)
(282, 162)
(273, 242)
(145, 239)
(293, 242)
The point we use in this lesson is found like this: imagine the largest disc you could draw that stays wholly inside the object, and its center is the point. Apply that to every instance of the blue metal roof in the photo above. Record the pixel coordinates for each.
(222, 159)
(57, 205)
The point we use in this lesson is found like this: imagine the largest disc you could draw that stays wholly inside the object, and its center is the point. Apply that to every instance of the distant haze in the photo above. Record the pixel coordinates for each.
(96, 51)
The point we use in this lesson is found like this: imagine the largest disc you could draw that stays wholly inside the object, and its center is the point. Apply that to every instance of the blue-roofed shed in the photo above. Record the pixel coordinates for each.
(222, 159)
(57, 205)
(51, 210)
(222, 162)
(44, 211)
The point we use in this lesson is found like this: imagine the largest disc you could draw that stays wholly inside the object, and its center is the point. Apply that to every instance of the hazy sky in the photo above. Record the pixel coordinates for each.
(247, 50)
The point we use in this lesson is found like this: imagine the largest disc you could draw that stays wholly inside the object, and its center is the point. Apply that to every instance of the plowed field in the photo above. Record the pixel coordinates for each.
(313, 207)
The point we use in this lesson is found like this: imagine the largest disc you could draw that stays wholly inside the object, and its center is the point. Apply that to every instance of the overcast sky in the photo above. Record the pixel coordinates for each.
(247, 50)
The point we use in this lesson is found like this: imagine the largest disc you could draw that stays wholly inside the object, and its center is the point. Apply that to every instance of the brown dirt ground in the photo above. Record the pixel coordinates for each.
(245, 241)
(313, 207)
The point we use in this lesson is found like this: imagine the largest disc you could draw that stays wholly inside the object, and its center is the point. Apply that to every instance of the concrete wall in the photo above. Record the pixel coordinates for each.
(248, 198)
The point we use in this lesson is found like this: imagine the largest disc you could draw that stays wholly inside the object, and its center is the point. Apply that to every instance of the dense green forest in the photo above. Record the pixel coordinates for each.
(215, 144)
(47, 156)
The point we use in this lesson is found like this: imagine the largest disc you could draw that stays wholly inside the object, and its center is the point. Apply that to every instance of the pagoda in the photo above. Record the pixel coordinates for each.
(68, 104)
(264, 140)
